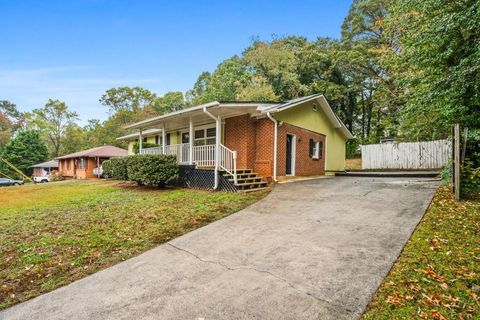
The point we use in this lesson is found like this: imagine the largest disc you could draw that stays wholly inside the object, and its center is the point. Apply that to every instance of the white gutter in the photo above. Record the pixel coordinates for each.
(218, 123)
(275, 138)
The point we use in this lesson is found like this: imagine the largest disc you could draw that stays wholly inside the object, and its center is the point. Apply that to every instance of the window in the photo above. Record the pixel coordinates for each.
(144, 140)
(167, 138)
(316, 149)
(204, 137)
(81, 164)
(158, 140)
(68, 164)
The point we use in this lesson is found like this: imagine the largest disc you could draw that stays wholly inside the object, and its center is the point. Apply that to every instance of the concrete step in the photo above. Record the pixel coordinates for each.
(251, 185)
(244, 180)
(254, 189)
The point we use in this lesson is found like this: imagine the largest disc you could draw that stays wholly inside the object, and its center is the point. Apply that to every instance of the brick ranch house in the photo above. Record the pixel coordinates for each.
(251, 143)
(80, 165)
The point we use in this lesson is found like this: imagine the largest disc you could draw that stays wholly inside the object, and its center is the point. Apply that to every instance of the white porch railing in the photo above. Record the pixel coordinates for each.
(203, 156)
(228, 161)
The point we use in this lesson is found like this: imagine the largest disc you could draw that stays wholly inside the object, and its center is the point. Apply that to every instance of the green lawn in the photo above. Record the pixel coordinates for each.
(438, 274)
(55, 233)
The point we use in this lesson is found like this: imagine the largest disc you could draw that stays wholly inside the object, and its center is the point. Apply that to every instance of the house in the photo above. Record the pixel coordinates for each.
(80, 165)
(44, 169)
(250, 142)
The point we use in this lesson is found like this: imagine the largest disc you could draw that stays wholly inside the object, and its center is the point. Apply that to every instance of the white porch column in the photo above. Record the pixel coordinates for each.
(218, 133)
(218, 127)
(190, 141)
(163, 138)
(140, 142)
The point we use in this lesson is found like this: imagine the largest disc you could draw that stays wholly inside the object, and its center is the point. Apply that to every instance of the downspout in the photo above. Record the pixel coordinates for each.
(217, 144)
(275, 143)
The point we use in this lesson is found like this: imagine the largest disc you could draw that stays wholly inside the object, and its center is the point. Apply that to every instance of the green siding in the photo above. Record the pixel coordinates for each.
(303, 116)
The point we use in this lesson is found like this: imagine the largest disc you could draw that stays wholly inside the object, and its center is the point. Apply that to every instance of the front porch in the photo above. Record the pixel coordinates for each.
(198, 163)
(197, 139)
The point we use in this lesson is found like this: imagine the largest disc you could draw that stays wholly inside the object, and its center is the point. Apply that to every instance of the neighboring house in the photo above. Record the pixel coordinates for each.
(80, 164)
(300, 137)
(44, 169)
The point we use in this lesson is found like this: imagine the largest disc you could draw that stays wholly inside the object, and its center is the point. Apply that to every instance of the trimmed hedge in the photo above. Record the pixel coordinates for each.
(152, 170)
(116, 168)
(149, 170)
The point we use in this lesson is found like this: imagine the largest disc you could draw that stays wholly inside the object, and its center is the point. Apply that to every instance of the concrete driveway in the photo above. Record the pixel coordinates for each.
(314, 249)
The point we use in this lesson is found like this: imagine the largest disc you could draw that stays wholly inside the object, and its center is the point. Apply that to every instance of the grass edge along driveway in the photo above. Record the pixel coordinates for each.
(56, 233)
(437, 276)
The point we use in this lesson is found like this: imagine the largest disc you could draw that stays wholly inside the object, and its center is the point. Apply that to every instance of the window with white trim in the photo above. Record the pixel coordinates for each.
(204, 136)
(316, 149)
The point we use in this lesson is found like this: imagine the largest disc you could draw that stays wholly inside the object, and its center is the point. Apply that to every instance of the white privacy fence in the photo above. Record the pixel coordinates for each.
(406, 155)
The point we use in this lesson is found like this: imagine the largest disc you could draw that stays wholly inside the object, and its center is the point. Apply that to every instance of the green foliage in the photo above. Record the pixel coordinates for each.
(25, 150)
(116, 168)
(470, 180)
(52, 120)
(136, 146)
(57, 176)
(437, 65)
(10, 120)
(171, 101)
(403, 69)
(446, 173)
(152, 170)
(472, 151)
(127, 99)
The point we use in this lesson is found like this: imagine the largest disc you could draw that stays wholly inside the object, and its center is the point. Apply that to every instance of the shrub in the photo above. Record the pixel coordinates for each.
(470, 180)
(152, 170)
(56, 176)
(116, 168)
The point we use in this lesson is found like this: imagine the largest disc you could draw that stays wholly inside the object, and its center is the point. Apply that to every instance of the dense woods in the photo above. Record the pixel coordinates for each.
(403, 69)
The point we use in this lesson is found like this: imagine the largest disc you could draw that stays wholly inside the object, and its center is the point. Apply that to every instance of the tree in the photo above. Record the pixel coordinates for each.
(127, 99)
(10, 120)
(74, 139)
(223, 84)
(53, 119)
(365, 48)
(437, 63)
(276, 62)
(25, 150)
(169, 102)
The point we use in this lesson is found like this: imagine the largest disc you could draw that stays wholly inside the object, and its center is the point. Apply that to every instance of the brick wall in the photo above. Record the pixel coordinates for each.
(86, 173)
(304, 164)
(264, 147)
(240, 136)
(253, 141)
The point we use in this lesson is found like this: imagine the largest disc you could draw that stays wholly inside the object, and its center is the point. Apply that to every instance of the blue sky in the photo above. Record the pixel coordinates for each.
(75, 50)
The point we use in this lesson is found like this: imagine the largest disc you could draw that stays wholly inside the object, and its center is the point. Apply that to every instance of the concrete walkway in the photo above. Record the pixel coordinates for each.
(314, 249)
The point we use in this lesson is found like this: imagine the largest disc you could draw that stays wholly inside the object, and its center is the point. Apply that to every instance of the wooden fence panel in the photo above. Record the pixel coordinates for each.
(406, 155)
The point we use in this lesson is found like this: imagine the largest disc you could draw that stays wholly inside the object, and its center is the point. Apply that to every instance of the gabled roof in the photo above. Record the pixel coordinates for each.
(46, 164)
(332, 117)
(229, 109)
(103, 151)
